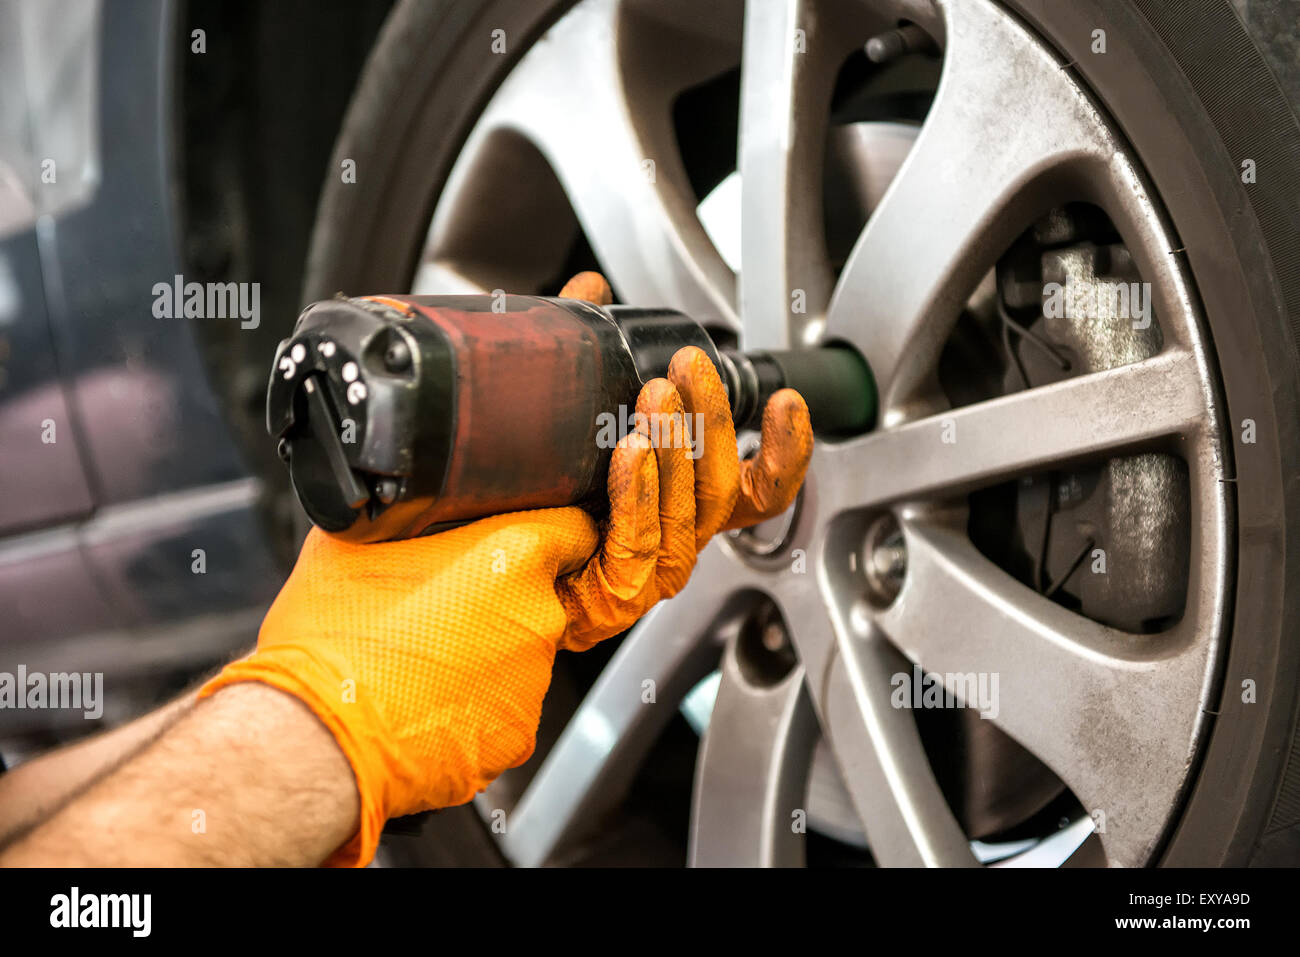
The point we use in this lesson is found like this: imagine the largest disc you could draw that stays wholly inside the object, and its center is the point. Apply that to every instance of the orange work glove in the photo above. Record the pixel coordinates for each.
(428, 659)
(701, 489)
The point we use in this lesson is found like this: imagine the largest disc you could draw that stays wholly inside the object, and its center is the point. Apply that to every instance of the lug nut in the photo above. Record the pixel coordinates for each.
(889, 560)
(884, 562)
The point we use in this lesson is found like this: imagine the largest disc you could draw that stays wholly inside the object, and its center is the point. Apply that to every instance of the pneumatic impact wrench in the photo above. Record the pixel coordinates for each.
(398, 415)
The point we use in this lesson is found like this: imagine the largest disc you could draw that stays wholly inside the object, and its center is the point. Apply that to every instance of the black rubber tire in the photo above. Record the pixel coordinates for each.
(426, 82)
(1191, 91)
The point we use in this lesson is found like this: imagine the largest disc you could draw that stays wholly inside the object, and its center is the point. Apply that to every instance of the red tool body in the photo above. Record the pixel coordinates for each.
(399, 414)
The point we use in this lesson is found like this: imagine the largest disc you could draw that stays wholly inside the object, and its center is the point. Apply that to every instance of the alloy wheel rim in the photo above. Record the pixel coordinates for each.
(1119, 720)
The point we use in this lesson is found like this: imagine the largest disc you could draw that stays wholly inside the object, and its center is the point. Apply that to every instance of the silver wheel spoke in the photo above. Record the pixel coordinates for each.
(877, 747)
(954, 452)
(590, 766)
(440, 277)
(610, 143)
(1088, 701)
(999, 124)
(752, 772)
(792, 50)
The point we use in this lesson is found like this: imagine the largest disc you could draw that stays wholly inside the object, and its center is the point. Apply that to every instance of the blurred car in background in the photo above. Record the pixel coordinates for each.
(138, 536)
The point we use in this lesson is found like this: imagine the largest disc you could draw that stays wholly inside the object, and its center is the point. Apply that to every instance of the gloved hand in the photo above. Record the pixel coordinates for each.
(643, 560)
(428, 658)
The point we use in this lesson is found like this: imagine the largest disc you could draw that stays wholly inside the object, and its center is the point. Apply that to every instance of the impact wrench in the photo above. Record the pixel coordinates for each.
(399, 415)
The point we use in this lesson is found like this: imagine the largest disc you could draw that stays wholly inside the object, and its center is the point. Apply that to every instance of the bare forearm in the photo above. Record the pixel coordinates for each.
(37, 788)
(248, 777)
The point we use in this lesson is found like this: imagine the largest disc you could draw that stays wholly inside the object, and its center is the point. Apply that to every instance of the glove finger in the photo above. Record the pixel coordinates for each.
(589, 286)
(632, 536)
(771, 479)
(602, 598)
(659, 408)
(574, 549)
(717, 467)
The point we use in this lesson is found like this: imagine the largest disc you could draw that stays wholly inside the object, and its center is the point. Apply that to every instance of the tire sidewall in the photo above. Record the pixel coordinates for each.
(1140, 82)
(403, 133)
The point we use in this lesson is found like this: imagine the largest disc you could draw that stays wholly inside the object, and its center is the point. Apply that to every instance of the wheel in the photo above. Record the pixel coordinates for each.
(1038, 614)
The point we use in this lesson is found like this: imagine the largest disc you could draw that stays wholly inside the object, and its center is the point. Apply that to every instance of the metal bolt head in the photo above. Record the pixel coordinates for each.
(892, 44)
(884, 562)
(387, 490)
(397, 357)
(889, 560)
(886, 47)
